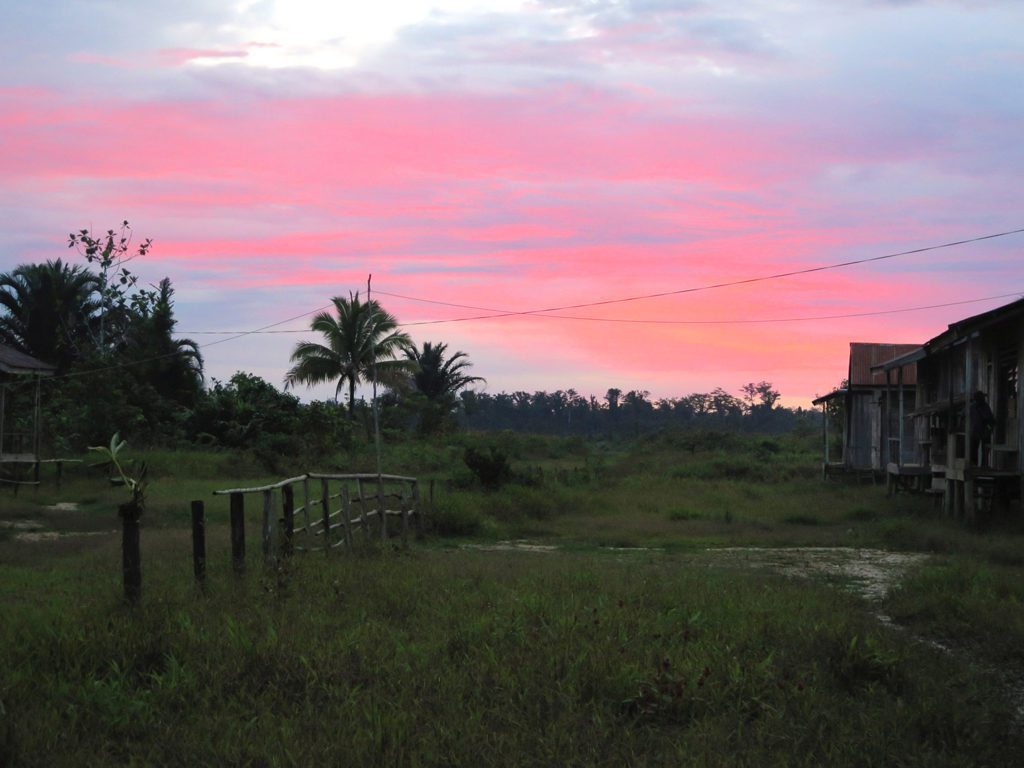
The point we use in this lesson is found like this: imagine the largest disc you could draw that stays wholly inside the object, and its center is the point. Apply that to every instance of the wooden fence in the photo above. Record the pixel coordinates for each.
(335, 510)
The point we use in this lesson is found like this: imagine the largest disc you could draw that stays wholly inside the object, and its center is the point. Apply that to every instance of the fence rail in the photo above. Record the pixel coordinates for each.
(335, 509)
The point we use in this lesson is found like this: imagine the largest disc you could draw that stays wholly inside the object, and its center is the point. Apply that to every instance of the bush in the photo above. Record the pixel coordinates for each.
(454, 516)
(492, 469)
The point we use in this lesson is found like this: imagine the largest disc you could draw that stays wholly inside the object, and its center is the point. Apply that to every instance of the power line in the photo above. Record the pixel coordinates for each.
(497, 313)
(735, 321)
(240, 334)
(727, 284)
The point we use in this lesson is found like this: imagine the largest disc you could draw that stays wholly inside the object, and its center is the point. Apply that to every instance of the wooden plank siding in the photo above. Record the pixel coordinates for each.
(983, 354)
(870, 404)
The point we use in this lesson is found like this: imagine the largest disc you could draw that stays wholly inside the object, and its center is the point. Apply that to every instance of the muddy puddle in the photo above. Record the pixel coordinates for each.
(870, 573)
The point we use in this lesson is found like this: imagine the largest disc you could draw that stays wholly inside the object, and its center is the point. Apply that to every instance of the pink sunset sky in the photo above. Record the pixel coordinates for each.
(486, 160)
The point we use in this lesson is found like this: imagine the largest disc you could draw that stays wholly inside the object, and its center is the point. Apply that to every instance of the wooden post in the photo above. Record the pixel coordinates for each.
(416, 508)
(268, 525)
(131, 557)
(288, 520)
(325, 502)
(238, 532)
(899, 447)
(346, 516)
(405, 515)
(199, 542)
(362, 507)
(824, 436)
(37, 428)
(305, 506)
(382, 510)
(3, 409)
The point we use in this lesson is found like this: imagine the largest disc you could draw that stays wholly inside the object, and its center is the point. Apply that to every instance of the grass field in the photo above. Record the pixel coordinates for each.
(626, 637)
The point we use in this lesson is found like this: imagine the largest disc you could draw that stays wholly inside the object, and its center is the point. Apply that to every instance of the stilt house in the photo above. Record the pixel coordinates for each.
(983, 354)
(868, 424)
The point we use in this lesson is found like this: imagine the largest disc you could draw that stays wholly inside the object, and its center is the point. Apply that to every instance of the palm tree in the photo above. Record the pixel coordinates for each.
(361, 342)
(48, 310)
(439, 380)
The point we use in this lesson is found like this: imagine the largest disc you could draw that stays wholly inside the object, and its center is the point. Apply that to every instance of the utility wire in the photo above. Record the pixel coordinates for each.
(495, 313)
(672, 322)
(240, 334)
(712, 286)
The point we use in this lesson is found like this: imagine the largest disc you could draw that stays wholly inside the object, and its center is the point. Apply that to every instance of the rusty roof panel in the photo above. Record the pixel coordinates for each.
(864, 356)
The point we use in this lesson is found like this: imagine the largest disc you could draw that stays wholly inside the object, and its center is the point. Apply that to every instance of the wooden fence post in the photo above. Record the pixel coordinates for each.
(417, 510)
(268, 525)
(362, 506)
(305, 506)
(131, 557)
(382, 510)
(346, 516)
(199, 542)
(325, 501)
(288, 520)
(238, 532)
(405, 515)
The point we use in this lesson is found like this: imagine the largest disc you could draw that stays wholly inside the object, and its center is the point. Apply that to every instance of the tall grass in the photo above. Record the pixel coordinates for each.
(443, 655)
(469, 658)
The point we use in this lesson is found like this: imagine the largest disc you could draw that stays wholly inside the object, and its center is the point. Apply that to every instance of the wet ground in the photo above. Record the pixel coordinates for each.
(870, 573)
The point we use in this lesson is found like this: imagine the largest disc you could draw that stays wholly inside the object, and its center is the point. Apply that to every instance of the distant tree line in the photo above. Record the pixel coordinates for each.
(632, 413)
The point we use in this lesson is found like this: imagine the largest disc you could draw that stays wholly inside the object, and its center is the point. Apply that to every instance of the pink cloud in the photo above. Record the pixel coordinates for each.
(176, 57)
(513, 203)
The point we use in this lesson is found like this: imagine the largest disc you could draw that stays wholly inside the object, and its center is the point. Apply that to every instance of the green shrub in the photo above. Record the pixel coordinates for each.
(492, 469)
(801, 520)
(684, 513)
(454, 516)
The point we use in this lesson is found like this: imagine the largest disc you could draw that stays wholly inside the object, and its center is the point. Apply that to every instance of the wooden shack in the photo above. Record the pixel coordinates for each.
(869, 421)
(983, 354)
(20, 446)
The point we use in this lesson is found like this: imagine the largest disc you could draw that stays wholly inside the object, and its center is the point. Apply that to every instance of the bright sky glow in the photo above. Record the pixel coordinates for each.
(515, 156)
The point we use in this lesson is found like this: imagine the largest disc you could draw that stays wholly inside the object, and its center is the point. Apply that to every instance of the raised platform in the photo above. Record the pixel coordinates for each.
(907, 477)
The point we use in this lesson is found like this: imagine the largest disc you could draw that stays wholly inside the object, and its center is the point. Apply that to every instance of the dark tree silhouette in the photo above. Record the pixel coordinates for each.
(48, 310)
(361, 341)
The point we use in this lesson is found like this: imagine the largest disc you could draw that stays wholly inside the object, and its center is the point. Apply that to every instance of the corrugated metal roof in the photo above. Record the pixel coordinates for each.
(13, 361)
(965, 327)
(863, 357)
(962, 328)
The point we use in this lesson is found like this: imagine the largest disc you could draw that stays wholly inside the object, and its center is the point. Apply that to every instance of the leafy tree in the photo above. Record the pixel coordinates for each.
(439, 378)
(759, 395)
(109, 253)
(48, 310)
(174, 366)
(361, 341)
(612, 398)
